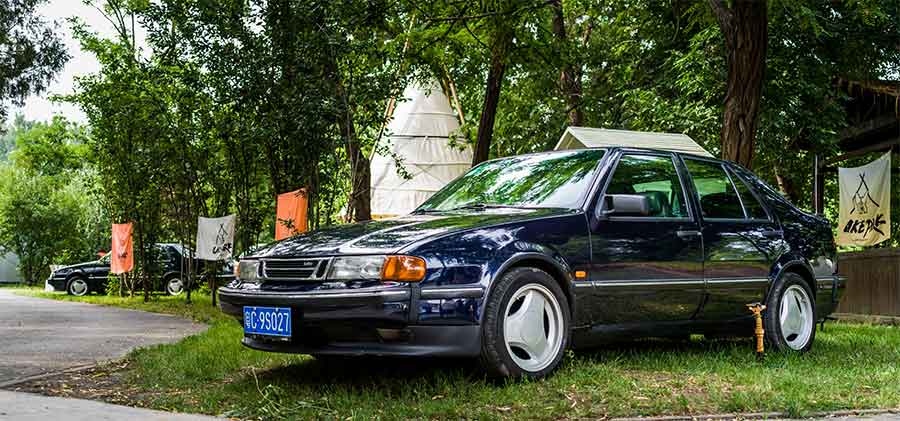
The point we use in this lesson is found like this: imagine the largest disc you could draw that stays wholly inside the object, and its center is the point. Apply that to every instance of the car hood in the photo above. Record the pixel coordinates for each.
(80, 265)
(390, 235)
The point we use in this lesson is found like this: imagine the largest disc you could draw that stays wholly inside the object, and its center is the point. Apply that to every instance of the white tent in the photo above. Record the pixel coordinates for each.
(419, 138)
(9, 268)
(589, 137)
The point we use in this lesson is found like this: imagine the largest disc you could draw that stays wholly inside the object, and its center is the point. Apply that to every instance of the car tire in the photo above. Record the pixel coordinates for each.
(174, 285)
(525, 330)
(77, 286)
(790, 316)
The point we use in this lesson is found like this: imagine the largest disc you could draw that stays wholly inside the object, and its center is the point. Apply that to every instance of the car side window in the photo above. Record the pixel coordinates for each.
(718, 199)
(653, 177)
(754, 208)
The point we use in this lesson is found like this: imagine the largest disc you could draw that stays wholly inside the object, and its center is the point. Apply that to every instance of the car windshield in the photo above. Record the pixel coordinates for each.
(558, 180)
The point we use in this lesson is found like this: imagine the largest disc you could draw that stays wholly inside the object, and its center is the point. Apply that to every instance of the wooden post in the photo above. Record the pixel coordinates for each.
(818, 185)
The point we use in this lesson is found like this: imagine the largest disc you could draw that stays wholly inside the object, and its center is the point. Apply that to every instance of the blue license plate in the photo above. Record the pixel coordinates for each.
(270, 321)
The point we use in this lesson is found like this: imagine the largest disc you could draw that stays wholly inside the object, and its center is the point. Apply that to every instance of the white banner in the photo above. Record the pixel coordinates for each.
(215, 238)
(865, 213)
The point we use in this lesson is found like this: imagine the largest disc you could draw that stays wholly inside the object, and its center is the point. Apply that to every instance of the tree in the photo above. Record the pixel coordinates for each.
(32, 51)
(127, 104)
(48, 213)
(744, 26)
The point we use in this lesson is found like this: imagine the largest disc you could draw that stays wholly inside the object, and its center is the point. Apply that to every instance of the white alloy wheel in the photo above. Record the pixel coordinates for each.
(796, 317)
(78, 287)
(533, 327)
(174, 286)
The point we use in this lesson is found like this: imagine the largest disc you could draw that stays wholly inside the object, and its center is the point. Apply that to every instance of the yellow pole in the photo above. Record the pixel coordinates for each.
(757, 309)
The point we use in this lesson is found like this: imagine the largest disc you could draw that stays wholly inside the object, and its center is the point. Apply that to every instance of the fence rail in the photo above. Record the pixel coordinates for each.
(873, 282)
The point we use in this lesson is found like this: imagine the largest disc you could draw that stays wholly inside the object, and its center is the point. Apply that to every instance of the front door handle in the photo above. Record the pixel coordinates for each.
(772, 233)
(687, 233)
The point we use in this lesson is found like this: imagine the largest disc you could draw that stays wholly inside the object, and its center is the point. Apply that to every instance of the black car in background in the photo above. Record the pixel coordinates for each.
(526, 256)
(84, 278)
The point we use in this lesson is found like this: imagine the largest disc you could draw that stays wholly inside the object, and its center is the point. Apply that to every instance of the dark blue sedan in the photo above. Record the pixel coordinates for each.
(526, 256)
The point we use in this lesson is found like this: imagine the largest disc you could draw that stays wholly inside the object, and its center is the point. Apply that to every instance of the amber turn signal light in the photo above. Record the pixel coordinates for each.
(403, 269)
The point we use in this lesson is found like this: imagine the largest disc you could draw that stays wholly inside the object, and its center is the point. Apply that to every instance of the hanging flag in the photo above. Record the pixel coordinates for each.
(290, 214)
(122, 258)
(865, 213)
(215, 238)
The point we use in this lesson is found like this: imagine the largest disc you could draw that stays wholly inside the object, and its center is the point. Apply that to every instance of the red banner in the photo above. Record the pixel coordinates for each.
(290, 214)
(122, 258)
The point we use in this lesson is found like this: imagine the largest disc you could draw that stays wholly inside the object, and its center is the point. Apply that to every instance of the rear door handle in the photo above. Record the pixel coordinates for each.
(772, 233)
(687, 233)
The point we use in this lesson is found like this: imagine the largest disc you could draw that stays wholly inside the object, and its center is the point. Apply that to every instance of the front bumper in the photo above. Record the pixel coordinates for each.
(53, 284)
(365, 321)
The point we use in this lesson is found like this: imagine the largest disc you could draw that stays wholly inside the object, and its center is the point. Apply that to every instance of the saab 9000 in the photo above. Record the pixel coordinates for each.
(524, 257)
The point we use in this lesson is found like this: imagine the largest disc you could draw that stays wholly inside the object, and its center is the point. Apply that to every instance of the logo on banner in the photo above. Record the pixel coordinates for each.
(862, 199)
(215, 238)
(865, 214)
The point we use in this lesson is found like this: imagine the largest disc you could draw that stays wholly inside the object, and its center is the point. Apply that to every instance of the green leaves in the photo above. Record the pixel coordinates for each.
(47, 212)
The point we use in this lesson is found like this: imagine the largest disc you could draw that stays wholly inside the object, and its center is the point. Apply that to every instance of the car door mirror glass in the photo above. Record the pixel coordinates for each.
(627, 205)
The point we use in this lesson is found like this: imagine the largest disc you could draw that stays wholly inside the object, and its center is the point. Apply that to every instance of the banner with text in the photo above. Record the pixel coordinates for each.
(215, 238)
(290, 214)
(865, 212)
(121, 259)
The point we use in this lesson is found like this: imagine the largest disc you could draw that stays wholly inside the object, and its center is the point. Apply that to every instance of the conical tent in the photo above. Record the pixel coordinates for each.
(419, 138)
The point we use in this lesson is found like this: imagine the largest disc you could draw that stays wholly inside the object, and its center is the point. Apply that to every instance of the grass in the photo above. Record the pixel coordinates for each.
(852, 366)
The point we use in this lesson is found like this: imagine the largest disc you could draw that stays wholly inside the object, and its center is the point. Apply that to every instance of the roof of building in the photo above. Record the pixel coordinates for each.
(589, 137)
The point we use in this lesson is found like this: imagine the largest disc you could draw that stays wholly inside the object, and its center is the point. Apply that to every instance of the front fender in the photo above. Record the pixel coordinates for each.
(477, 258)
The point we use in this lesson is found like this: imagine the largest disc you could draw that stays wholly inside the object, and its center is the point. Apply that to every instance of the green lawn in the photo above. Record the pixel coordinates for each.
(852, 366)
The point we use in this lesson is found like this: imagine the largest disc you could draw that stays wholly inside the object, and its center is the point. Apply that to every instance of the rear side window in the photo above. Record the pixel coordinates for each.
(755, 210)
(654, 177)
(718, 199)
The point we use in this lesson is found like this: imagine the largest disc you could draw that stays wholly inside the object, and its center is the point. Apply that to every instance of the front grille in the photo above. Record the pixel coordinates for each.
(294, 269)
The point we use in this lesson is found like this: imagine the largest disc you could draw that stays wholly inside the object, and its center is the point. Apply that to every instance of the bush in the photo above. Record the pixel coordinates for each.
(112, 285)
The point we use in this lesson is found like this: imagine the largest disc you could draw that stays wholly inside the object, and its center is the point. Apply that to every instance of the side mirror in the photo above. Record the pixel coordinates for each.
(626, 205)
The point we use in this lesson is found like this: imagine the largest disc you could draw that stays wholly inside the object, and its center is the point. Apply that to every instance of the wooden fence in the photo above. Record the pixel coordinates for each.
(873, 282)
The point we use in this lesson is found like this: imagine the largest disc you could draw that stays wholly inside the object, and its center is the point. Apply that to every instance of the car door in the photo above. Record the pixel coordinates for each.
(740, 239)
(648, 267)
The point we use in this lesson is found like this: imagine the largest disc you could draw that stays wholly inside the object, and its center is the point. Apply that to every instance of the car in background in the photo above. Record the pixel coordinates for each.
(83, 278)
(524, 257)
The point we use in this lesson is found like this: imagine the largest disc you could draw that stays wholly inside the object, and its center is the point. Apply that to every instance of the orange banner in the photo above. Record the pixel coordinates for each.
(122, 258)
(290, 214)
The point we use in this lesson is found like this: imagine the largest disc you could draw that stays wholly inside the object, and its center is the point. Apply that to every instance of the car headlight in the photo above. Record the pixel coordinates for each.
(357, 267)
(385, 268)
(248, 270)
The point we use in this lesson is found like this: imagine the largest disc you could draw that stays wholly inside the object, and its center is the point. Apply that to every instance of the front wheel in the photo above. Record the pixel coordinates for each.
(174, 286)
(77, 286)
(526, 325)
(790, 315)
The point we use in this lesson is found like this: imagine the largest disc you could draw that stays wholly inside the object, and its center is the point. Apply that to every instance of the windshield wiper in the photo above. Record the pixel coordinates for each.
(482, 205)
(474, 206)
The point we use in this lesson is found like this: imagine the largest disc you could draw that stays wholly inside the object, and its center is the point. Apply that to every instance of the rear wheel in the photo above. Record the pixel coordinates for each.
(526, 325)
(790, 315)
(77, 286)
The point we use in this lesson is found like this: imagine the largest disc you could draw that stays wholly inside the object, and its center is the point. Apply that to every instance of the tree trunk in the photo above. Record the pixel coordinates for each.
(145, 266)
(745, 28)
(491, 101)
(569, 80)
(359, 207)
(787, 185)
